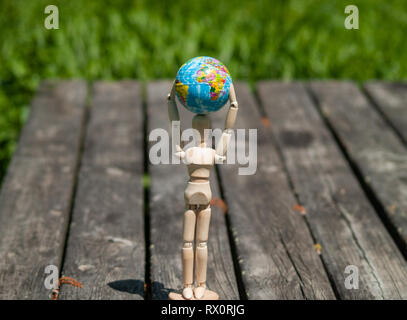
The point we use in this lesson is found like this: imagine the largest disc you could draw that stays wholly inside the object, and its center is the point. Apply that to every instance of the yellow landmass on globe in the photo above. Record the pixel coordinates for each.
(182, 90)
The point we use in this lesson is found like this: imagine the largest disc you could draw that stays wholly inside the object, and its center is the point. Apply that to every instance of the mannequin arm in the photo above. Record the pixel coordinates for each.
(172, 105)
(174, 116)
(222, 146)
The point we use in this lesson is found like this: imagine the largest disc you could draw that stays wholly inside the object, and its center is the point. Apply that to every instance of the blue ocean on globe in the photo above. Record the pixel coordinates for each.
(202, 85)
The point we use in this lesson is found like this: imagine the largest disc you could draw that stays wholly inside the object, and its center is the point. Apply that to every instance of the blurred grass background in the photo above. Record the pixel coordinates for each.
(146, 39)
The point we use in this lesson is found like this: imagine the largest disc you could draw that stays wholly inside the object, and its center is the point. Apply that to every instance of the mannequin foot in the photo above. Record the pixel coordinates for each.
(199, 291)
(187, 293)
(208, 295)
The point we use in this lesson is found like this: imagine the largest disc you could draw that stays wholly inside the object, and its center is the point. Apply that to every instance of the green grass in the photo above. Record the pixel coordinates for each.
(151, 39)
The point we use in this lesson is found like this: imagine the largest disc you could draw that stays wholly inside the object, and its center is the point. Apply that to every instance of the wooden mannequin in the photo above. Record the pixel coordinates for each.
(199, 159)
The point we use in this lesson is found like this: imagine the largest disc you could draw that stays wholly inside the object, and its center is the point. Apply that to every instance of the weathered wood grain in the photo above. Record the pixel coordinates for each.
(340, 216)
(372, 146)
(275, 248)
(167, 208)
(36, 194)
(106, 249)
(391, 98)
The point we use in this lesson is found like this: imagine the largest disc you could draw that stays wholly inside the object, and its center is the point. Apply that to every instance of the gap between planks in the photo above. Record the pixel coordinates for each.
(274, 246)
(36, 194)
(372, 148)
(319, 174)
(105, 248)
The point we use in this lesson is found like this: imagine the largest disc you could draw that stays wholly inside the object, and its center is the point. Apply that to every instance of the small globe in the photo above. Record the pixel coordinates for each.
(202, 84)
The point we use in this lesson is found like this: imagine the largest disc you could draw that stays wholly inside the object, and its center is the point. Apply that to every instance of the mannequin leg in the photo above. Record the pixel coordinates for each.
(188, 252)
(202, 230)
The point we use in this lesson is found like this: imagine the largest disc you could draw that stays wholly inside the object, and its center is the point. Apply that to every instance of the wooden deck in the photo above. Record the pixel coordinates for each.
(330, 191)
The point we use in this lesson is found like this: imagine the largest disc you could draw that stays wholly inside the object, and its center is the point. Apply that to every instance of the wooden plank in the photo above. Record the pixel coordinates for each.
(391, 99)
(106, 249)
(373, 148)
(167, 207)
(36, 195)
(275, 248)
(338, 212)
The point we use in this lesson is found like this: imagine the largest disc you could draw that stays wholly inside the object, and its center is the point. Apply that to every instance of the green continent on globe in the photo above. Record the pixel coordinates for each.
(214, 78)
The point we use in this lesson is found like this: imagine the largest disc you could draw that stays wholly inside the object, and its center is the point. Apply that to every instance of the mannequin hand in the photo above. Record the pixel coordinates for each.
(180, 153)
(219, 159)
